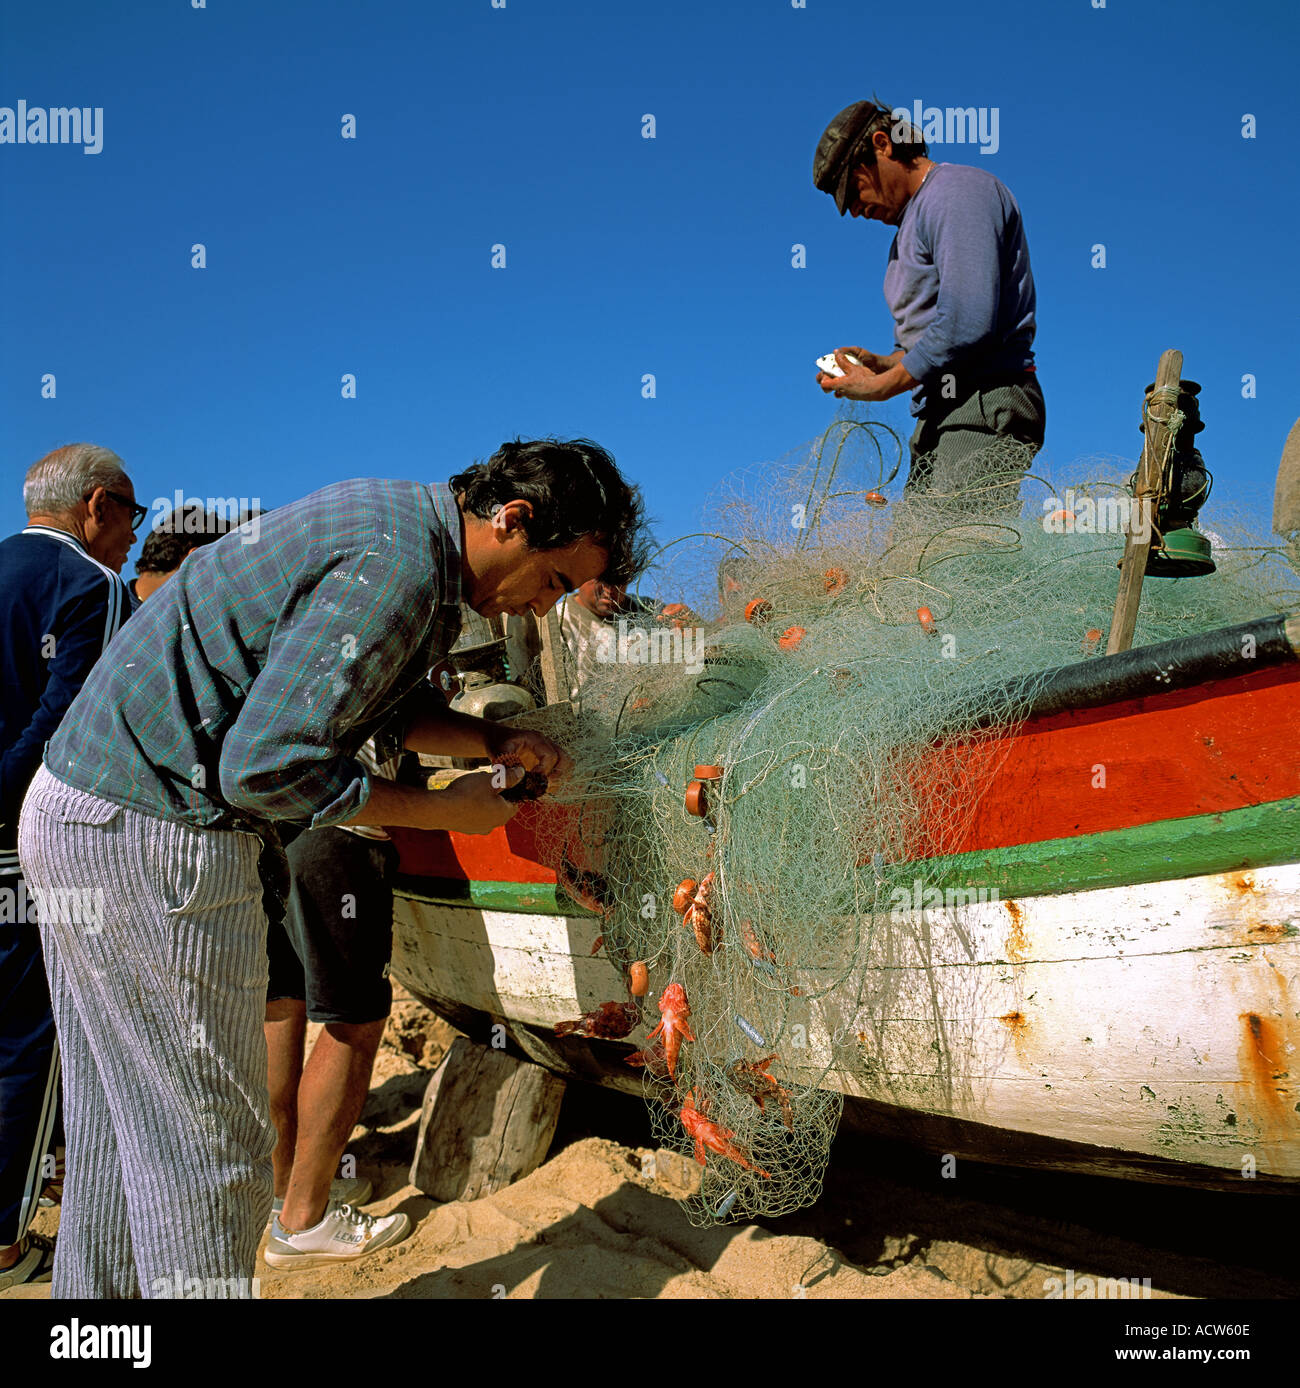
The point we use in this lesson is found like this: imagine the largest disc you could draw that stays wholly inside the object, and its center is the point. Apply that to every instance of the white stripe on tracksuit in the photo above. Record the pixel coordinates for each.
(36, 1181)
(118, 607)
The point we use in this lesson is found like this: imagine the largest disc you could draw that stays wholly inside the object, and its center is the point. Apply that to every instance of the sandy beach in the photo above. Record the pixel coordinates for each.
(592, 1222)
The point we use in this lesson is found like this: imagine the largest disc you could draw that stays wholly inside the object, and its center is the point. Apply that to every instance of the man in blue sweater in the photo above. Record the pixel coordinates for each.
(961, 293)
(61, 603)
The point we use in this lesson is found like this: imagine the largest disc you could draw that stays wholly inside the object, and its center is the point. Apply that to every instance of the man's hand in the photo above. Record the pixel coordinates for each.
(880, 378)
(452, 734)
(532, 751)
(871, 360)
(471, 804)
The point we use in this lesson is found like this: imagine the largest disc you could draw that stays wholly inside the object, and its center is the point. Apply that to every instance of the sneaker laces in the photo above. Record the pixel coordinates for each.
(352, 1215)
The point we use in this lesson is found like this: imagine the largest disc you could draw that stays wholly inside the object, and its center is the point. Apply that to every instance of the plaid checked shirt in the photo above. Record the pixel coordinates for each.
(240, 693)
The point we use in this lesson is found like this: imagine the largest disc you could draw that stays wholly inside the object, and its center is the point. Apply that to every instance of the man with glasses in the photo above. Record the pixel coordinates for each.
(61, 603)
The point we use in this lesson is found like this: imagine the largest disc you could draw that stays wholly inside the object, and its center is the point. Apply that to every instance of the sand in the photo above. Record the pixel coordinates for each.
(587, 1223)
(592, 1223)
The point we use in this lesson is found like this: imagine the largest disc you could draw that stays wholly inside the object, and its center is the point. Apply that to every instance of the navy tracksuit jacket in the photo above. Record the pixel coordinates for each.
(59, 609)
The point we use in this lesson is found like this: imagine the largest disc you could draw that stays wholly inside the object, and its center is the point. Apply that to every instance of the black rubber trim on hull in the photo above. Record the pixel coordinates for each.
(1148, 670)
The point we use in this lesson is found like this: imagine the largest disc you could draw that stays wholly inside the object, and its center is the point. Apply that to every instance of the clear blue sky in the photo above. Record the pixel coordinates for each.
(523, 126)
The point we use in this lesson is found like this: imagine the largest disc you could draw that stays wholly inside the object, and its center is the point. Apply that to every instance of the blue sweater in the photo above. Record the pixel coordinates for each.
(959, 283)
(59, 609)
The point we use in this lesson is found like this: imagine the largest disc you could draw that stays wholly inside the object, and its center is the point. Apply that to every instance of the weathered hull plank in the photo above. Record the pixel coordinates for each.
(1158, 1020)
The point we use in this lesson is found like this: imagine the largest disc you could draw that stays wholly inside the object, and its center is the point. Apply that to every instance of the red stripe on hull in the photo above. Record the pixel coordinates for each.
(1220, 746)
(508, 854)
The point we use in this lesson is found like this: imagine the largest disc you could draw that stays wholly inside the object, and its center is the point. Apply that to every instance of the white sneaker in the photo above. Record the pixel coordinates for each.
(354, 1191)
(343, 1235)
(35, 1263)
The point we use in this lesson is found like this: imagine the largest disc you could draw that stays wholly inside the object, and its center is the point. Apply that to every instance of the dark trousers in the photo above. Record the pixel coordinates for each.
(29, 1063)
(975, 449)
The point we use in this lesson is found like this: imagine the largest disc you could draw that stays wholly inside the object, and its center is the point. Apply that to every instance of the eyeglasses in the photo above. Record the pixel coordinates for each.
(138, 512)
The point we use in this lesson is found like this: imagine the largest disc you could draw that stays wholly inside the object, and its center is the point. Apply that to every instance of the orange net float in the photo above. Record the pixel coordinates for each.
(926, 618)
(1091, 641)
(790, 638)
(758, 612)
(638, 979)
(697, 799)
(875, 499)
(708, 773)
(679, 615)
(835, 581)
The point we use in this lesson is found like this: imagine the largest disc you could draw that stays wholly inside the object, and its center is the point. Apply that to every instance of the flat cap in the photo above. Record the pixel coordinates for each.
(833, 162)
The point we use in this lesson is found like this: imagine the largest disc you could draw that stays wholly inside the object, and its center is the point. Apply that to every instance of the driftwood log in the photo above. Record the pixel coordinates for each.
(488, 1120)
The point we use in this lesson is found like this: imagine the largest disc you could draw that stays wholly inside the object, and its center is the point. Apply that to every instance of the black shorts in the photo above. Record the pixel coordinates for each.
(335, 943)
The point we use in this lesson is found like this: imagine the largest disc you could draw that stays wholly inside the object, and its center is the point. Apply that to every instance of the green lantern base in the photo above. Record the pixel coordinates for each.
(1181, 554)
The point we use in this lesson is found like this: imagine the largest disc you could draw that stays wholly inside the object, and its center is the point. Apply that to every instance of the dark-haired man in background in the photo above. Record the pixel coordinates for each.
(169, 541)
(962, 296)
(239, 702)
(583, 614)
(161, 555)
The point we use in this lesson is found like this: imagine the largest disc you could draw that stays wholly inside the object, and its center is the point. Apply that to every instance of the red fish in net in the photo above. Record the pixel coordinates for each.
(673, 1028)
(713, 1136)
(611, 1020)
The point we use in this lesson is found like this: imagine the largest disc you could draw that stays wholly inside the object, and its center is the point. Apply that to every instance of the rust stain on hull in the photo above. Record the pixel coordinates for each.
(1264, 1056)
(1018, 1025)
(1017, 941)
(1253, 911)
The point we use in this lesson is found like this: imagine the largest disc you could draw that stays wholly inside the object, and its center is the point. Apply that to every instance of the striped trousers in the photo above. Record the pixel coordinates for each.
(156, 957)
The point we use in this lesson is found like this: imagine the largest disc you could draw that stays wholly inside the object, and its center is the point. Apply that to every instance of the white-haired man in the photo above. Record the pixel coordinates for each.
(61, 603)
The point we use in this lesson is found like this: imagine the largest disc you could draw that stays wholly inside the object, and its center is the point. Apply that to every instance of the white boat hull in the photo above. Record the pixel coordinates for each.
(1158, 1020)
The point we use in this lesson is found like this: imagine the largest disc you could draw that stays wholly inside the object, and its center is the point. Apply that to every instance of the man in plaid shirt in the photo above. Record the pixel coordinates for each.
(238, 698)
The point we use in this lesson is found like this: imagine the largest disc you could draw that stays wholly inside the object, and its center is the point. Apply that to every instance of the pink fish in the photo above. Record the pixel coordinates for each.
(675, 1013)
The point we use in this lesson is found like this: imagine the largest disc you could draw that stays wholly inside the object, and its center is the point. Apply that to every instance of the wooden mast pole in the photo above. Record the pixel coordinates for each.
(1141, 530)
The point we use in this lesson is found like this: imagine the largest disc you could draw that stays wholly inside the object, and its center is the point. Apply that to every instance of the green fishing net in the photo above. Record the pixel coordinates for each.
(854, 738)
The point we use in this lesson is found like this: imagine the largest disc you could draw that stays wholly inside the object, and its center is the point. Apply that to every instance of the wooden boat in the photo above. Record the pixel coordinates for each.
(1121, 994)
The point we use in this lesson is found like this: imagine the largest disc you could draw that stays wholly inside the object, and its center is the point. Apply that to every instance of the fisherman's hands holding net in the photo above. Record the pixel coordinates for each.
(523, 764)
(531, 750)
(532, 759)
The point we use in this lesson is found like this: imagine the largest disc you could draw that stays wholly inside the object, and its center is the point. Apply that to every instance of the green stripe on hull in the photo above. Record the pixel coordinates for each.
(1254, 837)
(534, 898)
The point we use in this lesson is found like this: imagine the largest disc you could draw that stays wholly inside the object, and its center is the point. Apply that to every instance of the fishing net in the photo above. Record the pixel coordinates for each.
(843, 742)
